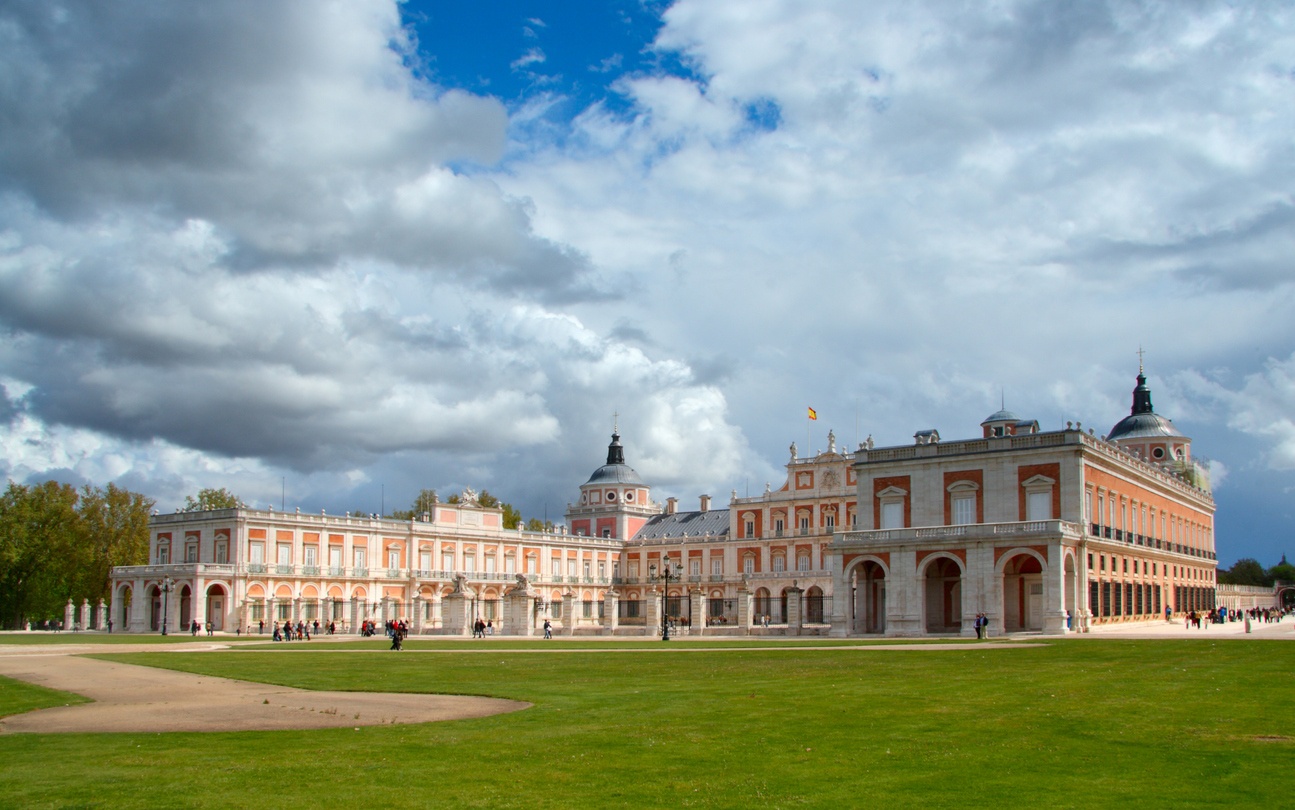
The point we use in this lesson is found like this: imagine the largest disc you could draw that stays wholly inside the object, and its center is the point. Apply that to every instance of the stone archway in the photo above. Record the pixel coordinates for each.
(155, 609)
(124, 604)
(1023, 603)
(217, 604)
(943, 596)
(186, 607)
(869, 589)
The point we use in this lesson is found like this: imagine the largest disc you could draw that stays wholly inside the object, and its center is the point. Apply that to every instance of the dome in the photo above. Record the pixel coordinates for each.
(1002, 416)
(1142, 422)
(615, 471)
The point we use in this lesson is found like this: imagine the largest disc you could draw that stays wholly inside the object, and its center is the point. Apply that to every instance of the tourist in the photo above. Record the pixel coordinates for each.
(548, 629)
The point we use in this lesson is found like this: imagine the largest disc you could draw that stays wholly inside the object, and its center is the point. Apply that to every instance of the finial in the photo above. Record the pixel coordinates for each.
(1140, 358)
(1002, 398)
(616, 422)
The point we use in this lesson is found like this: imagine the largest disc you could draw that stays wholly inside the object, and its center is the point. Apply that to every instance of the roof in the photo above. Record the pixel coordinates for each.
(694, 524)
(615, 474)
(1002, 416)
(1142, 422)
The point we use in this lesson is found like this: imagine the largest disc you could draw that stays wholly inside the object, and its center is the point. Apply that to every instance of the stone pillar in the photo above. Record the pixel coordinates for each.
(904, 595)
(198, 603)
(518, 605)
(611, 611)
(745, 610)
(652, 612)
(85, 614)
(456, 608)
(101, 623)
(795, 619)
(840, 609)
(1054, 591)
(138, 611)
(416, 620)
(697, 607)
(69, 618)
(569, 618)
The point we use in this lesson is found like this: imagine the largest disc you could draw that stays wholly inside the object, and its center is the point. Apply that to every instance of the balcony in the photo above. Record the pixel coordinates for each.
(1030, 529)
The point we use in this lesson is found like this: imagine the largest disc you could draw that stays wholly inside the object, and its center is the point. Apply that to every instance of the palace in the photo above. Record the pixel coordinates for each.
(1048, 531)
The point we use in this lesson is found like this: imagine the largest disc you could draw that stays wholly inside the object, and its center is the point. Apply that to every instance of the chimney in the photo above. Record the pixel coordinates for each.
(705, 503)
(671, 505)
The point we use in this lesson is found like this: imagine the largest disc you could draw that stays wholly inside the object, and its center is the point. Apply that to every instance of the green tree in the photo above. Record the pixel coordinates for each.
(39, 553)
(1282, 571)
(114, 523)
(537, 525)
(512, 517)
(1246, 571)
(211, 499)
(423, 503)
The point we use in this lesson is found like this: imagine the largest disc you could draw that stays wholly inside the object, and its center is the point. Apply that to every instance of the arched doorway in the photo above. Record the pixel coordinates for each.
(943, 596)
(1022, 593)
(814, 613)
(155, 610)
(763, 606)
(869, 598)
(186, 607)
(125, 598)
(217, 602)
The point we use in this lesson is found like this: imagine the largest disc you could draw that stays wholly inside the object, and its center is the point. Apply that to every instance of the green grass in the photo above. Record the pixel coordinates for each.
(1069, 723)
(44, 637)
(17, 697)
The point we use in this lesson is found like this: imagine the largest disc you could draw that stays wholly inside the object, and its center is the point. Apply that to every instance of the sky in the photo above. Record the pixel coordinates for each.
(328, 254)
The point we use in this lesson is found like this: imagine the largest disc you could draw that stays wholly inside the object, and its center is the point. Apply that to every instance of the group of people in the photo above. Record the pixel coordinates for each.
(982, 625)
(287, 632)
(481, 628)
(397, 631)
(196, 627)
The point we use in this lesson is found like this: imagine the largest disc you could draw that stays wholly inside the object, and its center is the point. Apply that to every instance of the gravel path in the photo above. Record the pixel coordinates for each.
(143, 699)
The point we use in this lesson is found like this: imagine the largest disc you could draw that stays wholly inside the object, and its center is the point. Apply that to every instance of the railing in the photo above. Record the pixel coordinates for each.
(987, 531)
(310, 570)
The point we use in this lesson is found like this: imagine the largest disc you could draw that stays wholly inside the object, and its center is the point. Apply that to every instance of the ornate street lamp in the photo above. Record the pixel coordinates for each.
(168, 585)
(666, 573)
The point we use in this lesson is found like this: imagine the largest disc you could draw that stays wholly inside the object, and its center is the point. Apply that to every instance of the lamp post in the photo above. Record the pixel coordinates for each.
(666, 573)
(167, 585)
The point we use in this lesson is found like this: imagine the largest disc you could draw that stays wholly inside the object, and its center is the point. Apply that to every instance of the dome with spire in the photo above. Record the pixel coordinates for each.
(615, 471)
(1142, 422)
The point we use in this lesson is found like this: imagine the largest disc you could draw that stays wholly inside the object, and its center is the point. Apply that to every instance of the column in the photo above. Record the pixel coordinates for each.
(69, 616)
(569, 618)
(355, 615)
(101, 623)
(85, 614)
(611, 611)
(138, 611)
(904, 595)
(457, 620)
(839, 614)
(794, 612)
(652, 612)
(199, 603)
(697, 607)
(1054, 590)
(744, 610)
(416, 621)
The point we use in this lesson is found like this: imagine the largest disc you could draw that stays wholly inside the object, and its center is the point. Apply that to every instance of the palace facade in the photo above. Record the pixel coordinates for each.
(1048, 531)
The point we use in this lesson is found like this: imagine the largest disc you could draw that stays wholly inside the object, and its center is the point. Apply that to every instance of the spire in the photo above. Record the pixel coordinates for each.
(1141, 395)
(615, 453)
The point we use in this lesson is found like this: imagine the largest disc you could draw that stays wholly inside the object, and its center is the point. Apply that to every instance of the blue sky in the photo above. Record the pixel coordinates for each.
(352, 250)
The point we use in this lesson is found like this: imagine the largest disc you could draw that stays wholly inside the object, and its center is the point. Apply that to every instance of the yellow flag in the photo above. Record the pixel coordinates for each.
(813, 414)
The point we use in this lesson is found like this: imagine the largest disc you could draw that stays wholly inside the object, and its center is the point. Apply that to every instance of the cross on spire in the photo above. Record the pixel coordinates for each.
(1140, 357)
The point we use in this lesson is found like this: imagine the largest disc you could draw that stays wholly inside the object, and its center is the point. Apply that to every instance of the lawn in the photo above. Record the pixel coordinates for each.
(1066, 723)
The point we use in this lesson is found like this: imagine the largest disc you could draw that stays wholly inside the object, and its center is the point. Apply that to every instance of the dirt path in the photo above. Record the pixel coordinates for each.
(143, 699)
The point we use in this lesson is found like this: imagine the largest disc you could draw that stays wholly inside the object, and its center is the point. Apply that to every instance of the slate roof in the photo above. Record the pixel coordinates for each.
(696, 524)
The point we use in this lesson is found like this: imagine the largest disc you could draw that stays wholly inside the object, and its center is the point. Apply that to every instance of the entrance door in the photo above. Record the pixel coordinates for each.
(1034, 605)
(216, 612)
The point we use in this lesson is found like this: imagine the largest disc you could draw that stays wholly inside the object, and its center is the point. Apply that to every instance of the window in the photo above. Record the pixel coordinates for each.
(393, 558)
(222, 552)
(510, 564)
(191, 553)
(633, 570)
(285, 554)
(716, 567)
(447, 560)
(802, 562)
(571, 568)
(779, 526)
(892, 515)
(1090, 562)
(311, 553)
(602, 570)
(750, 529)
(256, 554)
(425, 560)
(469, 563)
(748, 564)
(361, 557)
(588, 571)
(964, 509)
(335, 556)
(804, 523)
(779, 564)
(557, 567)
(1038, 506)
(830, 521)
(694, 568)
(163, 555)
(490, 563)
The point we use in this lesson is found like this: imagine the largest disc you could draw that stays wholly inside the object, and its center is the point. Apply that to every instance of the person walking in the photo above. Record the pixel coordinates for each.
(548, 629)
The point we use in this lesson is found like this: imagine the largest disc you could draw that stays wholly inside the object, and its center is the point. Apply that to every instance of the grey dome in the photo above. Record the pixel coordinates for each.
(1002, 416)
(615, 471)
(1142, 422)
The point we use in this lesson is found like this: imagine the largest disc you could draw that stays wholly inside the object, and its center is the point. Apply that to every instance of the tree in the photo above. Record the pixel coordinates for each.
(423, 503)
(211, 499)
(1246, 571)
(537, 525)
(115, 525)
(1282, 572)
(512, 517)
